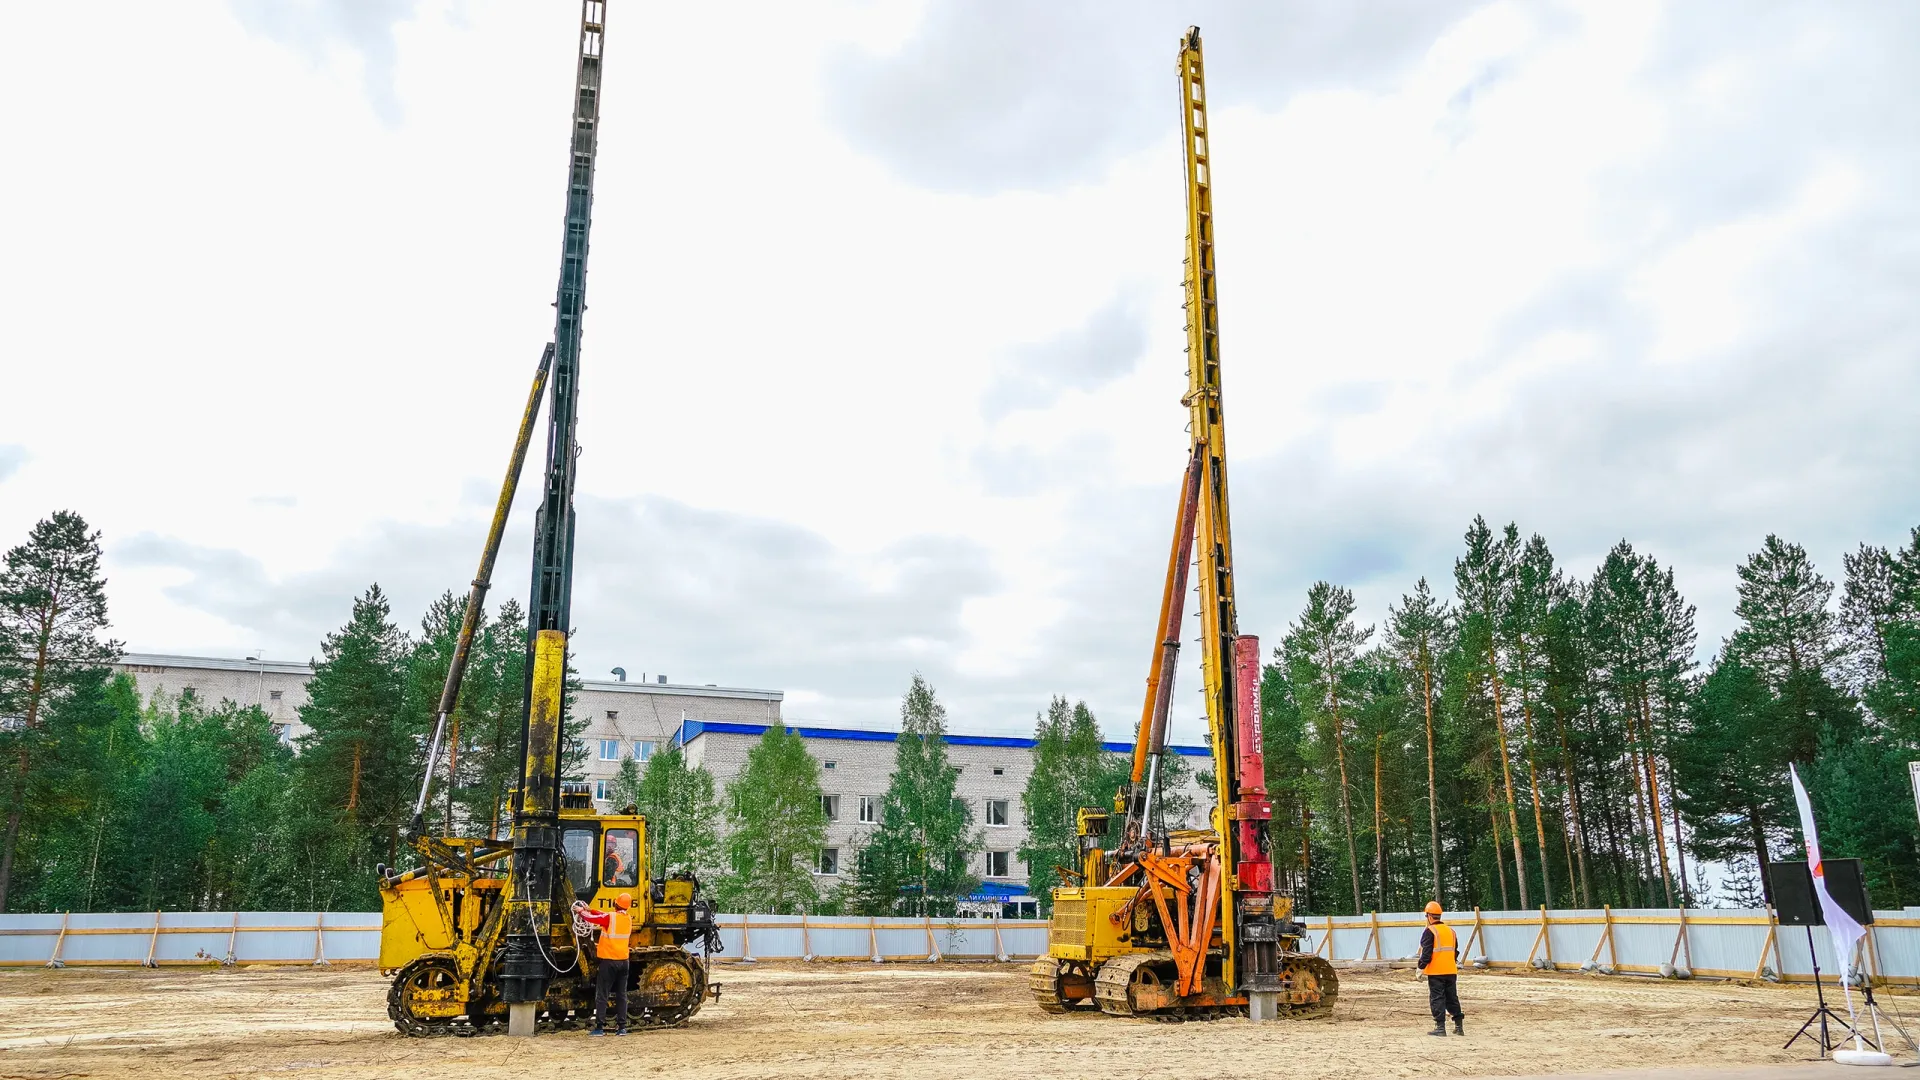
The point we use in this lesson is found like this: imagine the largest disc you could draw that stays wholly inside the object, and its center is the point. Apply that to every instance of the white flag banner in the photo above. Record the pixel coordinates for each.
(1846, 933)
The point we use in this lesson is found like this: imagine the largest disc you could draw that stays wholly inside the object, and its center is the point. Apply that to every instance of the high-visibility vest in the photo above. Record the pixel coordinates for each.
(613, 940)
(1446, 948)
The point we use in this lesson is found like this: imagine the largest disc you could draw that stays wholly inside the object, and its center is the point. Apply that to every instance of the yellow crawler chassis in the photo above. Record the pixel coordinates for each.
(1142, 985)
(666, 987)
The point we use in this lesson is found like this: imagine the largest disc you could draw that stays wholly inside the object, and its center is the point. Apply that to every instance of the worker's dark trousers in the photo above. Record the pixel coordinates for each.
(611, 981)
(1443, 997)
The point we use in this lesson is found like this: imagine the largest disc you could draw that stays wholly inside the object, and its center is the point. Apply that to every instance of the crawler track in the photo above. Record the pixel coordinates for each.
(1303, 976)
(436, 974)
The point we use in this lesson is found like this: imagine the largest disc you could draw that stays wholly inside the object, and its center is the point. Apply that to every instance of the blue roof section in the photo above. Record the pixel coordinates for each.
(693, 729)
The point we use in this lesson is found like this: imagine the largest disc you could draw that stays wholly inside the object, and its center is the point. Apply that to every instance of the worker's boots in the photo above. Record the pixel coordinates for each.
(1439, 1028)
(1457, 1022)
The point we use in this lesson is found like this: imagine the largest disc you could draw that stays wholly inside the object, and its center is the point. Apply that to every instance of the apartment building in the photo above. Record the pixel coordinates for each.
(855, 768)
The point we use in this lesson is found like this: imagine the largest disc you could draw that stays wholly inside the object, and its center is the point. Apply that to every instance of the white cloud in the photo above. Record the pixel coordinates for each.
(1606, 269)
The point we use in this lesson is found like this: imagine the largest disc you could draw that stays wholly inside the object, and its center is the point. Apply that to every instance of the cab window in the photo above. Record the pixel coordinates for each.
(578, 847)
(620, 858)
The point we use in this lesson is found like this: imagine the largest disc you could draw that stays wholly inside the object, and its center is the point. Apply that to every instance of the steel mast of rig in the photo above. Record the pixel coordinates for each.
(1230, 664)
(1184, 923)
(531, 912)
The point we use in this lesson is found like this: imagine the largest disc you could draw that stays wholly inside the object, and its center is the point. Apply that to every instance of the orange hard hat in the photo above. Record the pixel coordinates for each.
(1433, 907)
(623, 901)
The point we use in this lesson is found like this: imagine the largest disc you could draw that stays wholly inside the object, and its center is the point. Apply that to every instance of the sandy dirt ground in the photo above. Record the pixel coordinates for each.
(923, 1022)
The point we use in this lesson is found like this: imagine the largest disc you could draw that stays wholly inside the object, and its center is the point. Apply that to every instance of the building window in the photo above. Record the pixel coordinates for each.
(609, 749)
(829, 764)
(829, 860)
(830, 806)
(996, 811)
(600, 790)
(642, 750)
(997, 863)
(869, 809)
(273, 695)
(613, 714)
(998, 771)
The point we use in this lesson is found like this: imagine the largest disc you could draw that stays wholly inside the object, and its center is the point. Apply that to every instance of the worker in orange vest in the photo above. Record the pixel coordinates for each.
(610, 950)
(1440, 963)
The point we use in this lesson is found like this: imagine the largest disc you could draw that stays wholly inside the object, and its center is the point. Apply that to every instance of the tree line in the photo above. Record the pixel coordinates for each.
(1540, 737)
(179, 803)
(1546, 737)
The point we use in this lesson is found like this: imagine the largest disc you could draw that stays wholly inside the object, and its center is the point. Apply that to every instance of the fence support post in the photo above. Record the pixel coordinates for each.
(933, 951)
(1326, 941)
(1538, 938)
(1475, 936)
(999, 949)
(1873, 958)
(153, 943)
(1680, 942)
(806, 938)
(233, 936)
(1606, 938)
(1600, 942)
(53, 958)
(873, 939)
(746, 939)
(1373, 937)
(320, 940)
(1773, 943)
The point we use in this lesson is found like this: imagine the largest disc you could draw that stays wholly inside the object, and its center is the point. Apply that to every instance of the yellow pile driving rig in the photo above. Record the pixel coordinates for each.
(483, 931)
(1179, 924)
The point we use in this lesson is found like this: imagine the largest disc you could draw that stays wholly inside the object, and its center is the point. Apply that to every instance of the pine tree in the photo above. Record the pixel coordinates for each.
(53, 607)
(363, 754)
(1880, 625)
(775, 829)
(430, 656)
(494, 699)
(1483, 584)
(925, 842)
(1731, 768)
(1418, 632)
(1320, 651)
(1859, 788)
(1565, 696)
(1524, 626)
(81, 797)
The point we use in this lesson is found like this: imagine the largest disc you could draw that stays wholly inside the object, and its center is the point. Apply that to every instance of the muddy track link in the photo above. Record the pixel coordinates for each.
(1043, 980)
(1321, 974)
(1113, 988)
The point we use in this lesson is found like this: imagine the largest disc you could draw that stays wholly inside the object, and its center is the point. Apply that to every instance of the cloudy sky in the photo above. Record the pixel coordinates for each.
(883, 362)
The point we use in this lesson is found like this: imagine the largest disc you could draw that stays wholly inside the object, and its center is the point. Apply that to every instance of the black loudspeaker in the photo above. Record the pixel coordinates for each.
(1848, 887)
(1793, 899)
(1792, 887)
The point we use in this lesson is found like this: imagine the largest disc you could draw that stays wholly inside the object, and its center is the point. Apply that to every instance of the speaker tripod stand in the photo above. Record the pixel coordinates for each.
(1825, 1037)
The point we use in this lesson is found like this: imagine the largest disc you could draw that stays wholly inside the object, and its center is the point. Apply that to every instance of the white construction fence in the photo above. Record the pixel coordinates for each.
(1715, 943)
(1711, 943)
